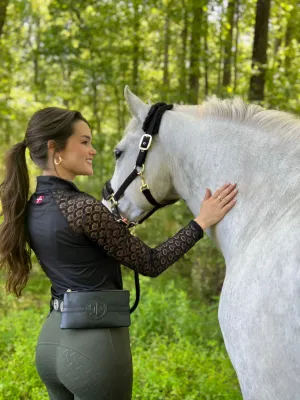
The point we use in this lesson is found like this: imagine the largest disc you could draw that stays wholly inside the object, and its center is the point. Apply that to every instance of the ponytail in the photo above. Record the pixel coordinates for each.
(50, 123)
(14, 192)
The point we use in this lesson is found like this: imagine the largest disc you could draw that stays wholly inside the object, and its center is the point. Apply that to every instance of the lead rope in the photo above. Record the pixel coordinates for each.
(137, 284)
(150, 127)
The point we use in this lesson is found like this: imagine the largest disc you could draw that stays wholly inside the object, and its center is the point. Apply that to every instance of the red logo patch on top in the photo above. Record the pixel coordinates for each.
(39, 199)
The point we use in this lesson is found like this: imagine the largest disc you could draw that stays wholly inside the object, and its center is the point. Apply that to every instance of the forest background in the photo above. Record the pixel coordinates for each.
(80, 55)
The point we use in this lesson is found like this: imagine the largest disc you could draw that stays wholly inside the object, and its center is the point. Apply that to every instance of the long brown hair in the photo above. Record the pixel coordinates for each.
(51, 123)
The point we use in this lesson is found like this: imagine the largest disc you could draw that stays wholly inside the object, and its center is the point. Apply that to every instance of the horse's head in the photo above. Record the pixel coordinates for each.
(133, 204)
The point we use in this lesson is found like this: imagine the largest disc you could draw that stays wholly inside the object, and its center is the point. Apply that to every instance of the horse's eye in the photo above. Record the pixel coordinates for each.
(118, 153)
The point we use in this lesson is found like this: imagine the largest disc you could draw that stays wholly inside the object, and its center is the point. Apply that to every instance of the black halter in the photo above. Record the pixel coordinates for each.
(150, 127)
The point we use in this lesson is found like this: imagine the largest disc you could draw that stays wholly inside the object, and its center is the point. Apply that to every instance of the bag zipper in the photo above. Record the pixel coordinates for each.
(87, 290)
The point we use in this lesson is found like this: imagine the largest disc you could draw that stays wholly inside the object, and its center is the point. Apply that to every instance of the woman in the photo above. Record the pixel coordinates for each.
(80, 246)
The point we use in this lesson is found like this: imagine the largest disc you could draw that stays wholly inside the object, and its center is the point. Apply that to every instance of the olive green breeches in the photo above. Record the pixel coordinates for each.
(84, 364)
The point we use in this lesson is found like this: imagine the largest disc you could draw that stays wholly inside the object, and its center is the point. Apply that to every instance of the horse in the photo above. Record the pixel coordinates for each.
(205, 146)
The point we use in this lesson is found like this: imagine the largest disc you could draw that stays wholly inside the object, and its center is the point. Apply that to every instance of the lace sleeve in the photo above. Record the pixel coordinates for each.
(88, 216)
(101, 226)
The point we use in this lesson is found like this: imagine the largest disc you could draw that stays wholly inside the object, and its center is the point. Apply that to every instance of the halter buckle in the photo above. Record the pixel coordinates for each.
(112, 200)
(145, 144)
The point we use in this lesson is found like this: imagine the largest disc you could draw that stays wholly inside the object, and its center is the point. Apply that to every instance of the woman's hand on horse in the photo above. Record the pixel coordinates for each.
(214, 207)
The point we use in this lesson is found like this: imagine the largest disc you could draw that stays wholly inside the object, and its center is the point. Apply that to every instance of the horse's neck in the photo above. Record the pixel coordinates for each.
(209, 154)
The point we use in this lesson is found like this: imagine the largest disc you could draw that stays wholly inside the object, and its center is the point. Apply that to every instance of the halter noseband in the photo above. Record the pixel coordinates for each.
(150, 127)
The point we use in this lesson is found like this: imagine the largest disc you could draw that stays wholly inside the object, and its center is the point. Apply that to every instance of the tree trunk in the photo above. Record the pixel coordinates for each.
(195, 52)
(119, 110)
(237, 20)
(3, 8)
(259, 55)
(206, 55)
(36, 58)
(289, 35)
(219, 89)
(135, 60)
(228, 45)
(183, 56)
(166, 52)
(66, 74)
(97, 118)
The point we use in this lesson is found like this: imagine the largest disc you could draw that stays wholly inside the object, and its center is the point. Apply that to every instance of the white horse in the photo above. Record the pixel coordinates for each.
(207, 146)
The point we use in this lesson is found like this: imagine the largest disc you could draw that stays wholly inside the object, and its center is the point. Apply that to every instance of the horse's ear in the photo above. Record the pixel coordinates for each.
(137, 107)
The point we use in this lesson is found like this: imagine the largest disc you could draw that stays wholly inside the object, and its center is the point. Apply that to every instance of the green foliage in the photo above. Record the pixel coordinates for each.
(19, 332)
(182, 370)
(80, 55)
(184, 317)
(177, 347)
(208, 270)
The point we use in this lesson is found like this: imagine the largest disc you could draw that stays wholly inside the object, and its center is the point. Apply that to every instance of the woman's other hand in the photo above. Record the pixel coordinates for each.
(214, 207)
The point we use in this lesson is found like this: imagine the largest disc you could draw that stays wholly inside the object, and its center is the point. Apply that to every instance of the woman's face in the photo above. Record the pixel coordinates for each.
(76, 158)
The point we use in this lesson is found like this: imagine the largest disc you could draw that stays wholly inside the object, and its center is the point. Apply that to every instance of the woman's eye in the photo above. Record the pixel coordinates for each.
(117, 153)
(84, 142)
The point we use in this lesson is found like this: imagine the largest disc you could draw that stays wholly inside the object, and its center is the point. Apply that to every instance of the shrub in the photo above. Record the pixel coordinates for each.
(177, 347)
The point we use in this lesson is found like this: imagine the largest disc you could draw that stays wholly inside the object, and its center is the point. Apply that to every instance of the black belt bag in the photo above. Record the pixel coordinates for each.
(95, 309)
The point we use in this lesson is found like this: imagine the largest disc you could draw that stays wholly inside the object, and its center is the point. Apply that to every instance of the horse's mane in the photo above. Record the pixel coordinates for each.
(285, 124)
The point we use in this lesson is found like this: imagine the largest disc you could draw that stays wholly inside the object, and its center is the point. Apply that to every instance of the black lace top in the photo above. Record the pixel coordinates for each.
(90, 217)
(80, 245)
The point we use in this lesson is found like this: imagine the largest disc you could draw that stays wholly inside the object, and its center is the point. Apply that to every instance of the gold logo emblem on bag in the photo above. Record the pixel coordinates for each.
(96, 309)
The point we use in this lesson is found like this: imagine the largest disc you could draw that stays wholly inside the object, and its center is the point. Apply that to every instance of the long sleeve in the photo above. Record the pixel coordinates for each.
(90, 217)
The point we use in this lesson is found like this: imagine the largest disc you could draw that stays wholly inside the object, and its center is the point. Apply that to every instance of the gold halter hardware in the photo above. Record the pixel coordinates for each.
(144, 184)
(112, 200)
